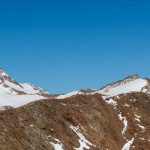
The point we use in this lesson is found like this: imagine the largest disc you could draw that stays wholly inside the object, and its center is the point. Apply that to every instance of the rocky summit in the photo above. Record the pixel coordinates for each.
(114, 117)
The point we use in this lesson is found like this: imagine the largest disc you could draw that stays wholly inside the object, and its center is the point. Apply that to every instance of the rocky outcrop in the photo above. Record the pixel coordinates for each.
(80, 121)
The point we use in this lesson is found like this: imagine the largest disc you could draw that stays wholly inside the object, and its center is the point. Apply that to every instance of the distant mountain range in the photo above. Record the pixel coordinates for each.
(130, 84)
(114, 117)
(15, 94)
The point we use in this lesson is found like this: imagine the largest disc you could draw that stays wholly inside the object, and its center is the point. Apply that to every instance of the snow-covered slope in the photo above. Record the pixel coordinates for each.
(10, 86)
(79, 92)
(18, 100)
(130, 84)
(15, 94)
(69, 95)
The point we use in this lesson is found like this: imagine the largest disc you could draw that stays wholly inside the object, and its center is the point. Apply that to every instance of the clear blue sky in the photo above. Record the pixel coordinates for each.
(64, 45)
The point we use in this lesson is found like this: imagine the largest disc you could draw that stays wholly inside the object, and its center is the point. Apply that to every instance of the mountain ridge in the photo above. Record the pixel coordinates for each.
(143, 86)
(11, 88)
(15, 94)
(5, 78)
(115, 117)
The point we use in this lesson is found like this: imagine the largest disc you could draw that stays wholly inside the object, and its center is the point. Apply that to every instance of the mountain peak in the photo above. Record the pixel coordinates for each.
(13, 93)
(132, 83)
(3, 73)
(133, 76)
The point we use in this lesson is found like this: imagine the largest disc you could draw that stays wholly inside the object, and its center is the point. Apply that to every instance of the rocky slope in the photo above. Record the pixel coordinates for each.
(116, 117)
(79, 122)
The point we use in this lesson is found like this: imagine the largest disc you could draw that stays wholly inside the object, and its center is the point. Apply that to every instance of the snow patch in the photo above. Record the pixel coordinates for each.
(126, 105)
(111, 102)
(30, 89)
(142, 127)
(69, 95)
(13, 85)
(58, 145)
(137, 118)
(125, 122)
(128, 144)
(84, 143)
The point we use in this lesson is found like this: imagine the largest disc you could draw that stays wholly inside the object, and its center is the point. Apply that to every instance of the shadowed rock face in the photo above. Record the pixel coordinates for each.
(43, 124)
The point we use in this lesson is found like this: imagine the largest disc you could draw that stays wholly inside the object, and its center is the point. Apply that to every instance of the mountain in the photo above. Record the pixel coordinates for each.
(80, 122)
(130, 84)
(115, 117)
(15, 94)
(10, 86)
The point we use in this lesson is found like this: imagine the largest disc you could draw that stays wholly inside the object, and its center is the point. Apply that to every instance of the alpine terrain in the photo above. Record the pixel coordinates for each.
(13, 93)
(114, 117)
